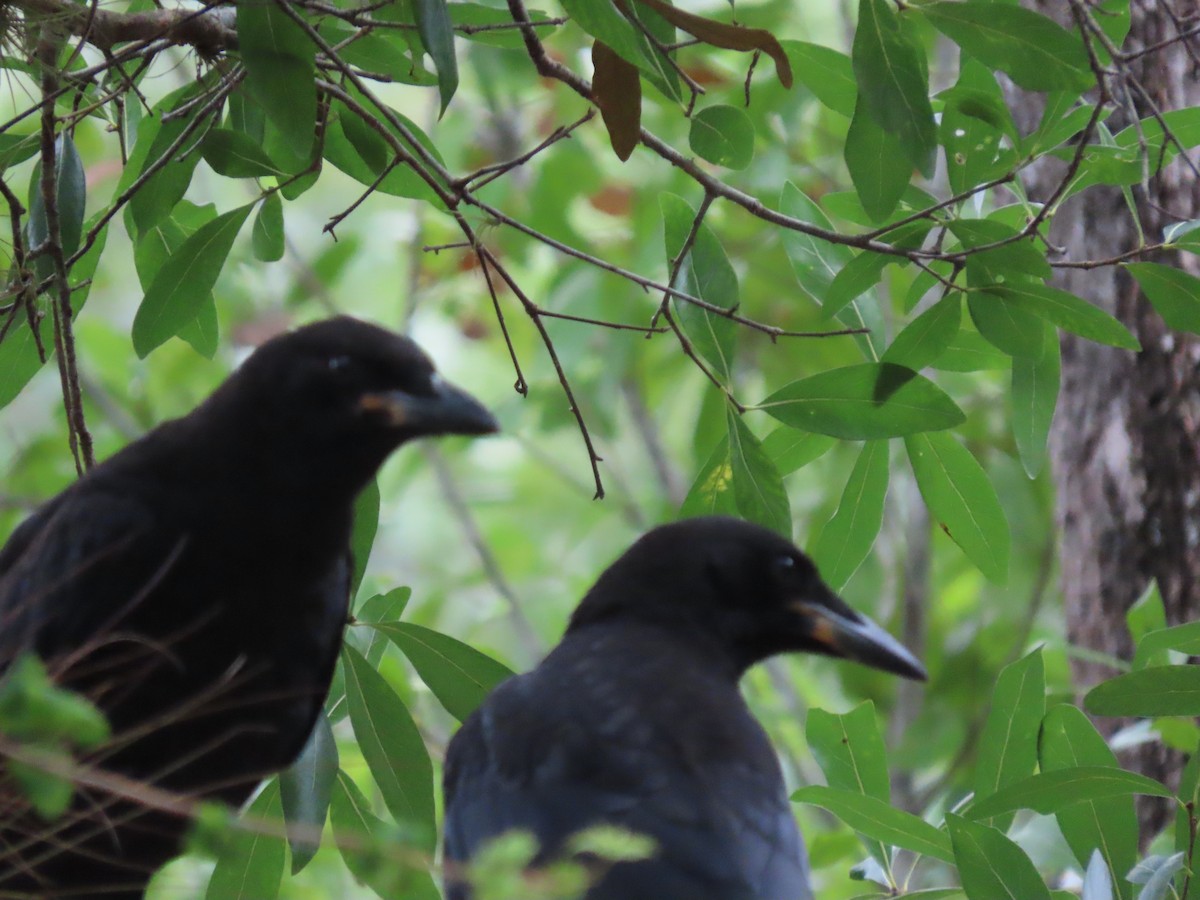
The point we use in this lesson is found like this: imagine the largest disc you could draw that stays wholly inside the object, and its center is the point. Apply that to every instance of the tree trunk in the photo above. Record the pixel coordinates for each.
(1126, 438)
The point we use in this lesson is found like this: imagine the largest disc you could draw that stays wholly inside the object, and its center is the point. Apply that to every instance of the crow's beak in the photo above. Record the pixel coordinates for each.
(847, 634)
(448, 410)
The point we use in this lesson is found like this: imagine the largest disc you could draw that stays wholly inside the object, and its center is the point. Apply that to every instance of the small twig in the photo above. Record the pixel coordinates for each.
(336, 220)
(487, 174)
(616, 326)
(533, 312)
(521, 386)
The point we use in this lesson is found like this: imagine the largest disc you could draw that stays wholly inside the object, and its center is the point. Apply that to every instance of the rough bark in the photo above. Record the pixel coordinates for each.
(1126, 439)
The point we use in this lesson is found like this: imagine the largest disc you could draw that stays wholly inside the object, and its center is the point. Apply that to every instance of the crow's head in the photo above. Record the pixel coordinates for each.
(742, 588)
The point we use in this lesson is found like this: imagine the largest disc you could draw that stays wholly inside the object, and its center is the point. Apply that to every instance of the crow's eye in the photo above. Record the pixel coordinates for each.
(785, 565)
(340, 364)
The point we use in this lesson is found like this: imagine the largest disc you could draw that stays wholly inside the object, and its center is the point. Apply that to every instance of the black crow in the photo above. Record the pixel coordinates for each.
(195, 586)
(635, 719)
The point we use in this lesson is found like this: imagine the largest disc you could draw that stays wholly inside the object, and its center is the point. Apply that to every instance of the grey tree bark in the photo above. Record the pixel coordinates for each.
(1126, 438)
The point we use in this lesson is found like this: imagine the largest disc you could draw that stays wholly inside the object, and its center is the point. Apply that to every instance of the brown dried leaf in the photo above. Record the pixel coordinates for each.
(617, 90)
(729, 37)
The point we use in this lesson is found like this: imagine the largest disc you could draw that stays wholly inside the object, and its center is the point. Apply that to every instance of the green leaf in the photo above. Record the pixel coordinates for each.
(159, 194)
(1069, 739)
(305, 788)
(158, 243)
(459, 676)
(600, 19)
(70, 191)
(757, 485)
(878, 820)
(374, 854)
(1181, 638)
(893, 82)
(722, 135)
(850, 750)
(817, 262)
(926, 337)
(1008, 750)
(1034, 51)
(251, 866)
(1067, 311)
(385, 51)
(379, 609)
(826, 72)
(278, 57)
(864, 402)
(1006, 326)
(1018, 259)
(962, 500)
(851, 753)
(792, 449)
(392, 747)
(437, 36)
(36, 710)
(266, 234)
(856, 277)
(1035, 382)
(1172, 292)
(185, 281)
(991, 866)
(1145, 615)
(202, 333)
(968, 351)
(362, 537)
(877, 163)
(705, 273)
(1051, 792)
(846, 538)
(236, 155)
(711, 494)
(16, 148)
(1155, 691)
